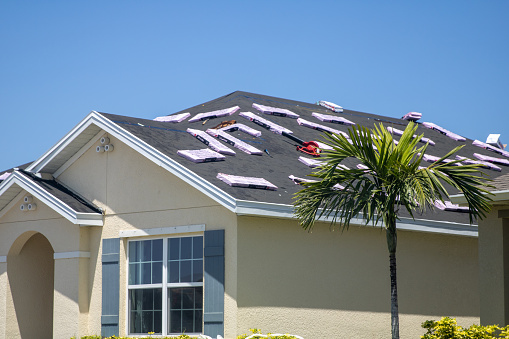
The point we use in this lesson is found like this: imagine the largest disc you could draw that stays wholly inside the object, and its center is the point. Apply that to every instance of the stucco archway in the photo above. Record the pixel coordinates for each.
(30, 272)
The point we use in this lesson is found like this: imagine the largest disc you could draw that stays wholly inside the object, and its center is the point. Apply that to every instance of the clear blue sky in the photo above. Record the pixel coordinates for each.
(61, 59)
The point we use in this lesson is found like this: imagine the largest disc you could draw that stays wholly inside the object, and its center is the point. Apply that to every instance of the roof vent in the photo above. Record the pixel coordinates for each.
(412, 116)
(494, 140)
(330, 105)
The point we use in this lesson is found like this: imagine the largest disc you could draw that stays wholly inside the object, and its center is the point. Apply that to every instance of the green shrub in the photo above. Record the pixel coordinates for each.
(268, 336)
(447, 328)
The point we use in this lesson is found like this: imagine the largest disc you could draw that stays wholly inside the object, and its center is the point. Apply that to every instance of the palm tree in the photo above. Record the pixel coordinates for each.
(390, 179)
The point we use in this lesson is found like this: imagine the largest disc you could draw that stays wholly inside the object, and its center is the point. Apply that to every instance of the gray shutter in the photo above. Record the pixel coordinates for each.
(110, 287)
(213, 308)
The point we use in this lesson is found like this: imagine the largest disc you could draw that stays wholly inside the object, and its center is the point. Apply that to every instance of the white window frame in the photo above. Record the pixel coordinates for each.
(164, 285)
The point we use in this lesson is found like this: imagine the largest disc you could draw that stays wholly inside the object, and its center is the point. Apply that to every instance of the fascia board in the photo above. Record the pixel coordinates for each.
(51, 201)
(252, 208)
(143, 148)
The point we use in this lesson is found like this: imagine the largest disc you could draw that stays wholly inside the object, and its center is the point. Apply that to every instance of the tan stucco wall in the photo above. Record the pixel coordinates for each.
(324, 284)
(137, 194)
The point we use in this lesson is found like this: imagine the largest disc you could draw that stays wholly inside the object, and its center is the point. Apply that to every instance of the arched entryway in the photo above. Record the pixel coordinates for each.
(30, 271)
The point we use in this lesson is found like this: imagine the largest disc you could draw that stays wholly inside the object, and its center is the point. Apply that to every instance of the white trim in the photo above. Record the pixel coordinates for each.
(251, 208)
(78, 154)
(93, 219)
(3, 258)
(161, 231)
(71, 255)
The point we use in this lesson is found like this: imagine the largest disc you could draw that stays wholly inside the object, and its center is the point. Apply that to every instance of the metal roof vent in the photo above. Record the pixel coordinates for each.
(494, 140)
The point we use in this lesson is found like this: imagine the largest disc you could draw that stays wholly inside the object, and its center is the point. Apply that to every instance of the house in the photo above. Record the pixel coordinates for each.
(115, 230)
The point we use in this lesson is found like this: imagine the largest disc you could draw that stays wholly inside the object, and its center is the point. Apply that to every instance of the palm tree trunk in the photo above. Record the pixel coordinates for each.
(391, 244)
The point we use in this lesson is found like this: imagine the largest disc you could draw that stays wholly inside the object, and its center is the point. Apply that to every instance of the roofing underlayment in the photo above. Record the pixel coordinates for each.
(252, 121)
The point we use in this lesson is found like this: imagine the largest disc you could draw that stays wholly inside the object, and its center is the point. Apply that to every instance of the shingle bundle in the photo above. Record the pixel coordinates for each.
(175, 118)
(201, 155)
(332, 118)
(330, 105)
(490, 148)
(243, 128)
(4, 176)
(442, 130)
(319, 127)
(432, 158)
(310, 162)
(396, 131)
(298, 181)
(210, 141)
(229, 139)
(449, 206)
(477, 162)
(281, 112)
(412, 116)
(249, 182)
(265, 123)
(214, 114)
(492, 159)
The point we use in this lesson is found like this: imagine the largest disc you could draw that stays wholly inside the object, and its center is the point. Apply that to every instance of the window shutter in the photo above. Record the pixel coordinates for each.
(110, 287)
(213, 310)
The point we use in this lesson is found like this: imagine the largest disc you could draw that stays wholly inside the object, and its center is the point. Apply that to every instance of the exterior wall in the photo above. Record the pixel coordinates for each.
(494, 268)
(333, 284)
(137, 194)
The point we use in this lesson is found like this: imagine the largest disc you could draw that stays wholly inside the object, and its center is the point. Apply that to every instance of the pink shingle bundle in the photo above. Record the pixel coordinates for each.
(477, 162)
(442, 130)
(490, 148)
(229, 139)
(362, 167)
(4, 176)
(330, 105)
(412, 116)
(396, 131)
(175, 118)
(449, 206)
(432, 158)
(492, 159)
(201, 155)
(322, 146)
(265, 123)
(310, 162)
(332, 118)
(298, 181)
(214, 114)
(281, 112)
(249, 182)
(243, 128)
(210, 141)
(319, 127)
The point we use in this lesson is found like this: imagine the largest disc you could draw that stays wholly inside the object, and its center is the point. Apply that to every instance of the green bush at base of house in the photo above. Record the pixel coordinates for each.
(447, 328)
(255, 331)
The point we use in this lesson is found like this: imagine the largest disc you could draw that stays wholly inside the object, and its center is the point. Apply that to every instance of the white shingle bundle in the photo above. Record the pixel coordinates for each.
(330, 105)
(310, 162)
(249, 182)
(490, 148)
(5, 175)
(319, 127)
(298, 181)
(396, 131)
(492, 159)
(442, 130)
(210, 141)
(214, 114)
(175, 118)
(449, 206)
(265, 123)
(332, 118)
(412, 116)
(201, 155)
(281, 112)
(432, 158)
(229, 139)
(484, 164)
(243, 128)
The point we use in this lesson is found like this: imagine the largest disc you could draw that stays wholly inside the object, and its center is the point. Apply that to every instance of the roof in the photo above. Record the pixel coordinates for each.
(160, 142)
(53, 194)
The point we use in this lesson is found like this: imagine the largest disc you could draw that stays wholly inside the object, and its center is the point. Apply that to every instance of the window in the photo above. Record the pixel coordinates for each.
(166, 285)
